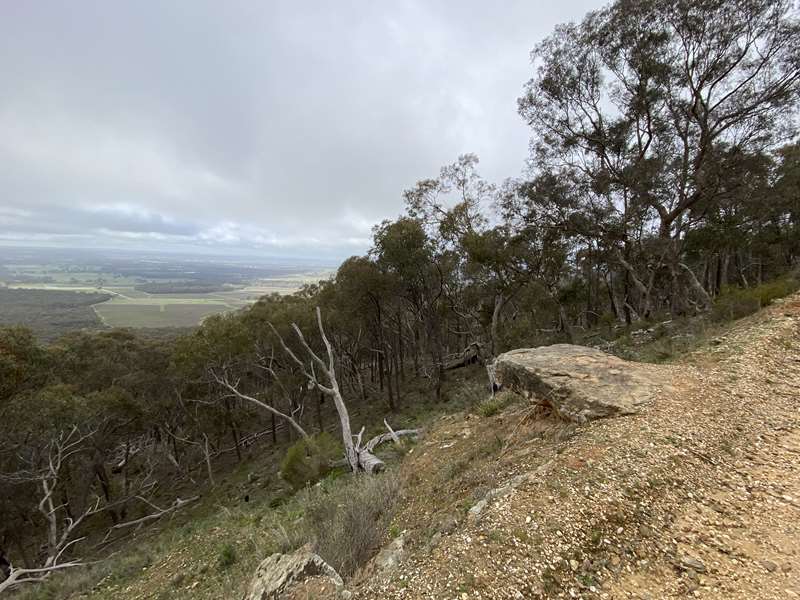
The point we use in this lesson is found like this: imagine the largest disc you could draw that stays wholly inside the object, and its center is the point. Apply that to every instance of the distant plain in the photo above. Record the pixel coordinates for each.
(231, 286)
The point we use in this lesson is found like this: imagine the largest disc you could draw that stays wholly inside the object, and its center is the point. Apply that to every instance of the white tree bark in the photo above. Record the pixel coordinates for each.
(62, 530)
(705, 299)
(358, 457)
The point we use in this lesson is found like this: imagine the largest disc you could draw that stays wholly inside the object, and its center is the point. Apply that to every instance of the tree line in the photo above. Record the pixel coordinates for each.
(664, 170)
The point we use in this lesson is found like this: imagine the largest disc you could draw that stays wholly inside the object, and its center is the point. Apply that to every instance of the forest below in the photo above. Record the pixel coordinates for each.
(664, 185)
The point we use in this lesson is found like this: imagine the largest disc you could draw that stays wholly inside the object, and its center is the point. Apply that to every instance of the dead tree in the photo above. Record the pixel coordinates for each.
(60, 534)
(62, 522)
(158, 512)
(359, 456)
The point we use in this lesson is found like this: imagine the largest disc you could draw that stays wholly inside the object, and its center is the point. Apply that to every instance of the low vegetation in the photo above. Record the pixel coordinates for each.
(735, 302)
(493, 405)
(348, 523)
(309, 460)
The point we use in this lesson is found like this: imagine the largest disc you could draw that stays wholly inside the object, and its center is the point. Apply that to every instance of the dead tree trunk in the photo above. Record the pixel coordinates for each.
(705, 299)
(358, 457)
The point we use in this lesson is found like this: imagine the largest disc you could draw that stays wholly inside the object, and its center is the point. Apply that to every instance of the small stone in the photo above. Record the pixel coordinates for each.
(447, 524)
(689, 562)
(769, 565)
(528, 519)
(573, 564)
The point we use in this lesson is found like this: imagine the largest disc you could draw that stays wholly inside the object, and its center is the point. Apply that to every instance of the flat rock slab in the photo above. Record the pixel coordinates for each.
(579, 383)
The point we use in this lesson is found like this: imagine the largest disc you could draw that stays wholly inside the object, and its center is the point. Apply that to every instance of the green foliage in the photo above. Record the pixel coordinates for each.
(226, 557)
(309, 460)
(21, 361)
(492, 406)
(735, 303)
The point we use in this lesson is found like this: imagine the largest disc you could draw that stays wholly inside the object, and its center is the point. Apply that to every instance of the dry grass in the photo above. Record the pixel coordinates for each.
(349, 524)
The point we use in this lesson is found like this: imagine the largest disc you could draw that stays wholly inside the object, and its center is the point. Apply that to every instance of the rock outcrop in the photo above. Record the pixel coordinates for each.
(579, 383)
(279, 572)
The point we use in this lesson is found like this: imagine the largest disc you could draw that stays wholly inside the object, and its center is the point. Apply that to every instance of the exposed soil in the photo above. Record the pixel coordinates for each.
(697, 496)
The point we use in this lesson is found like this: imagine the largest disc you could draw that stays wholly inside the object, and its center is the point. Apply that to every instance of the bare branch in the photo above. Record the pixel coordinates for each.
(232, 388)
(154, 516)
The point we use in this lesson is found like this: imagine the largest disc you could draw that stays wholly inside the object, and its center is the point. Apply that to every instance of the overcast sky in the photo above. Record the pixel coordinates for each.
(289, 128)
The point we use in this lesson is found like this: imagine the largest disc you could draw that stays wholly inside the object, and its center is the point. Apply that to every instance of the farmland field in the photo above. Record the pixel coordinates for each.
(147, 291)
(156, 315)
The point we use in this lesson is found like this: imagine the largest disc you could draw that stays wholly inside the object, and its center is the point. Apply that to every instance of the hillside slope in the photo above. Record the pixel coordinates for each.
(699, 494)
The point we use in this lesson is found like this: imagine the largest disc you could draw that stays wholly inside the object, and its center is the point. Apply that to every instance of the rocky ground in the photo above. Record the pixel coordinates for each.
(696, 496)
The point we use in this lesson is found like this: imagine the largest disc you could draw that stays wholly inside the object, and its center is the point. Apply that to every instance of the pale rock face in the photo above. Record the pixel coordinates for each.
(579, 383)
(277, 573)
(391, 556)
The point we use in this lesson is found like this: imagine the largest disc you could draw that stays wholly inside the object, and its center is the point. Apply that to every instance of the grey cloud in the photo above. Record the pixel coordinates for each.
(62, 220)
(280, 124)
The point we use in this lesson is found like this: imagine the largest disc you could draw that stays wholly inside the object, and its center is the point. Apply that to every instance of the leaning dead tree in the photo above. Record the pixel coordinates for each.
(321, 375)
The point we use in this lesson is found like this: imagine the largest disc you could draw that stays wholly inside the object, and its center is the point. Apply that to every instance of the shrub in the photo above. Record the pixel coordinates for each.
(226, 557)
(735, 303)
(308, 461)
(470, 393)
(349, 523)
(492, 406)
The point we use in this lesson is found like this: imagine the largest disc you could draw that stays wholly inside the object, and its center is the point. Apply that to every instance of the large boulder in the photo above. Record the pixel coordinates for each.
(279, 573)
(579, 383)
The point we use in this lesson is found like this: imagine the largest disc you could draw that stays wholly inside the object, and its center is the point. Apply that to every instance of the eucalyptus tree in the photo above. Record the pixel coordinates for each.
(404, 250)
(365, 302)
(639, 99)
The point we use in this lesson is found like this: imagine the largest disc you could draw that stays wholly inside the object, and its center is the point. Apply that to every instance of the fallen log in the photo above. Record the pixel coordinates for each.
(469, 356)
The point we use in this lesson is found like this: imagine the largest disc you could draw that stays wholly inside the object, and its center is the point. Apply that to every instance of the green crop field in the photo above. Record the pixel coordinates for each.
(185, 314)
